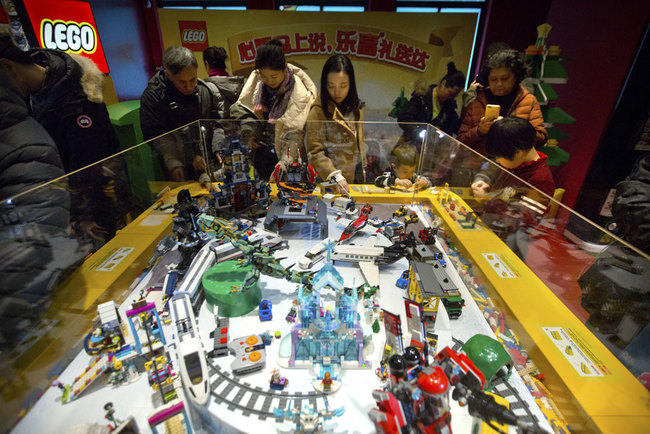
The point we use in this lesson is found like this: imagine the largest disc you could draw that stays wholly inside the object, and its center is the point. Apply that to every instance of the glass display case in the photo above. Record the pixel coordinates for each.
(112, 272)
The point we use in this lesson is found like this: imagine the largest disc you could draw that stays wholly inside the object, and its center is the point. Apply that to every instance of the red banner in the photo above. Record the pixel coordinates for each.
(67, 26)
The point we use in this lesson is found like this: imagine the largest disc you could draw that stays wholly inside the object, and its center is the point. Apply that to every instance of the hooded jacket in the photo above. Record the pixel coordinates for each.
(333, 145)
(419, 109)
(70, 107)
(524, 106)
(289, 127)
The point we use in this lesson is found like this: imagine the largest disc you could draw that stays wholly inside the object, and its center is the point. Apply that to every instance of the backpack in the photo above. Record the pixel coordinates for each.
(631, 208)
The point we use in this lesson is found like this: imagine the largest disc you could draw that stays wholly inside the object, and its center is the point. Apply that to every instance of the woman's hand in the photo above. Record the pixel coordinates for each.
(405, 183)
(485, 124)
(480, 188)
(474, 86)
(344, 187)
(421, 183)
(177, 174)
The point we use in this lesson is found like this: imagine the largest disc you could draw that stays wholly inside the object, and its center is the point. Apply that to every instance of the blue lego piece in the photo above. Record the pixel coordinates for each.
(266, 313)
(267, 338)
(403, 280)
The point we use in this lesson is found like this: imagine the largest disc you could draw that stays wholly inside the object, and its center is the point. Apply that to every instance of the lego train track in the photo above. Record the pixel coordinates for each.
(517, 405)
(242, 396)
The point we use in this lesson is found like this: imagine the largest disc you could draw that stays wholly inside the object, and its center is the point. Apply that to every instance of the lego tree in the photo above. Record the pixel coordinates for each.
(547, 70)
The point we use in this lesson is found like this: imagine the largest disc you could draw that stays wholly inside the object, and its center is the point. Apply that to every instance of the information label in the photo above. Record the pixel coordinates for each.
(115, 259)
(499, 266)
(578, 353)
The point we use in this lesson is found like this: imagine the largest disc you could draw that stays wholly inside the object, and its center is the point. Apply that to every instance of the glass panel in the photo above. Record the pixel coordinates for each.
(604, 285)
(559, 307)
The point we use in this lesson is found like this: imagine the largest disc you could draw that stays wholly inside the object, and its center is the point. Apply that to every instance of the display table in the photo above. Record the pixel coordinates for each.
(245, 404)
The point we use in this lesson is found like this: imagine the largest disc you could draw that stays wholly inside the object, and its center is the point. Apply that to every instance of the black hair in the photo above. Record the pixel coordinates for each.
(215, 57)
(9, 50)
(175, 59)
(509, 58)
(509, 135)
(271, 56)
(351, 103)
(404, 154)
(495, 47)
(454, 77)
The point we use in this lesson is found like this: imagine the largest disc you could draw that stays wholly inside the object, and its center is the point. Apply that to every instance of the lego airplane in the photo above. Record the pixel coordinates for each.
(369, 256)
(354, 226)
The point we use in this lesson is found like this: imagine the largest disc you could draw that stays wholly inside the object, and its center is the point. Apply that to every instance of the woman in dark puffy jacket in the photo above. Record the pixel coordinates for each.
(35, 245)
(433, 104)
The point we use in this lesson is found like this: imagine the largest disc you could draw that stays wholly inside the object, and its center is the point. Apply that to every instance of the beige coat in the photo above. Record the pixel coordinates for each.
(332, 144)
(289, 127)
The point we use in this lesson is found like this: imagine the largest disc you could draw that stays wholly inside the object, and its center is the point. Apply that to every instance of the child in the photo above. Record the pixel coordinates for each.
(511, 142)
(402, 171)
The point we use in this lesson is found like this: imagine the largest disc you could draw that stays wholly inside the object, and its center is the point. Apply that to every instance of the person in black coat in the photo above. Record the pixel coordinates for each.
(36, 247)
(434, 104)
(174, 98)
(65, 96)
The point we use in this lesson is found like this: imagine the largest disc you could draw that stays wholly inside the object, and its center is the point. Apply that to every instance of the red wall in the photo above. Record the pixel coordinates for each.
(601, 42)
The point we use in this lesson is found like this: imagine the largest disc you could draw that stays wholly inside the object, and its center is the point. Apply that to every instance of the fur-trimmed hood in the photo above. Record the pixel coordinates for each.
(92, 79)
(70, 79)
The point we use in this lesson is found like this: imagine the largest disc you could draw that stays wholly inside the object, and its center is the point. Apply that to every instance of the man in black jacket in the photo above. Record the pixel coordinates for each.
(175, 98)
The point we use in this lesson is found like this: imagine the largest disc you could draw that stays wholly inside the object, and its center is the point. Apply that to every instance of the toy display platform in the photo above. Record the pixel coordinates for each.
(545, 327)
(245, 404)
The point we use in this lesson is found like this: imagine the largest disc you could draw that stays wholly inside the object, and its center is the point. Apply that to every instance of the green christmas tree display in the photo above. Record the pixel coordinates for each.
(547, 70)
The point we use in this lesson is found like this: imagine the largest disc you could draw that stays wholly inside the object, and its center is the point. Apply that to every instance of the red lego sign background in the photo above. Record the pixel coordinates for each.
(194, 35)
(67, 26)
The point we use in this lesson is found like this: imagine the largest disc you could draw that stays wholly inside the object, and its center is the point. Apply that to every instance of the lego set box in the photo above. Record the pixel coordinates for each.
(372, 281)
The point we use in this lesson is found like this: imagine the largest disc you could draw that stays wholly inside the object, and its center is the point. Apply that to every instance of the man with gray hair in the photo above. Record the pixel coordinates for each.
(174, 98)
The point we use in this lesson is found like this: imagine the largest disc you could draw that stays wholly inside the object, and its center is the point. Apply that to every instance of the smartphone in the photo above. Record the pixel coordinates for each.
(492, 111)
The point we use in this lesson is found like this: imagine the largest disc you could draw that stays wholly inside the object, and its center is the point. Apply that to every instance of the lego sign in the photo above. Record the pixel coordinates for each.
(194, 35)
(68, 36)
(67, 26)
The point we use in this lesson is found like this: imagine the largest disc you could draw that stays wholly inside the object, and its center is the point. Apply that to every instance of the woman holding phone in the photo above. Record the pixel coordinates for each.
(501, 77)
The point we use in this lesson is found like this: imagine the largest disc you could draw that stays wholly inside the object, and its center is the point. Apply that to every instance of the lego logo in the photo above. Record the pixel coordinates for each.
(193, 35)
(68, 36)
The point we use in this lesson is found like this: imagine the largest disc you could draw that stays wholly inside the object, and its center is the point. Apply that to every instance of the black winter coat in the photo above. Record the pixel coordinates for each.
(71, 109)
(163, 108)
(34, 243)
(420, 109)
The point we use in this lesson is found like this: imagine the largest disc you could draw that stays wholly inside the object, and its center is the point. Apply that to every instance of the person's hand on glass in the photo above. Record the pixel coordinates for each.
(209, 186)
(177, 174)
(404, 183)
(253, 144)
(480, 188)
(199, 163)
(93, 230)
(421, 183)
